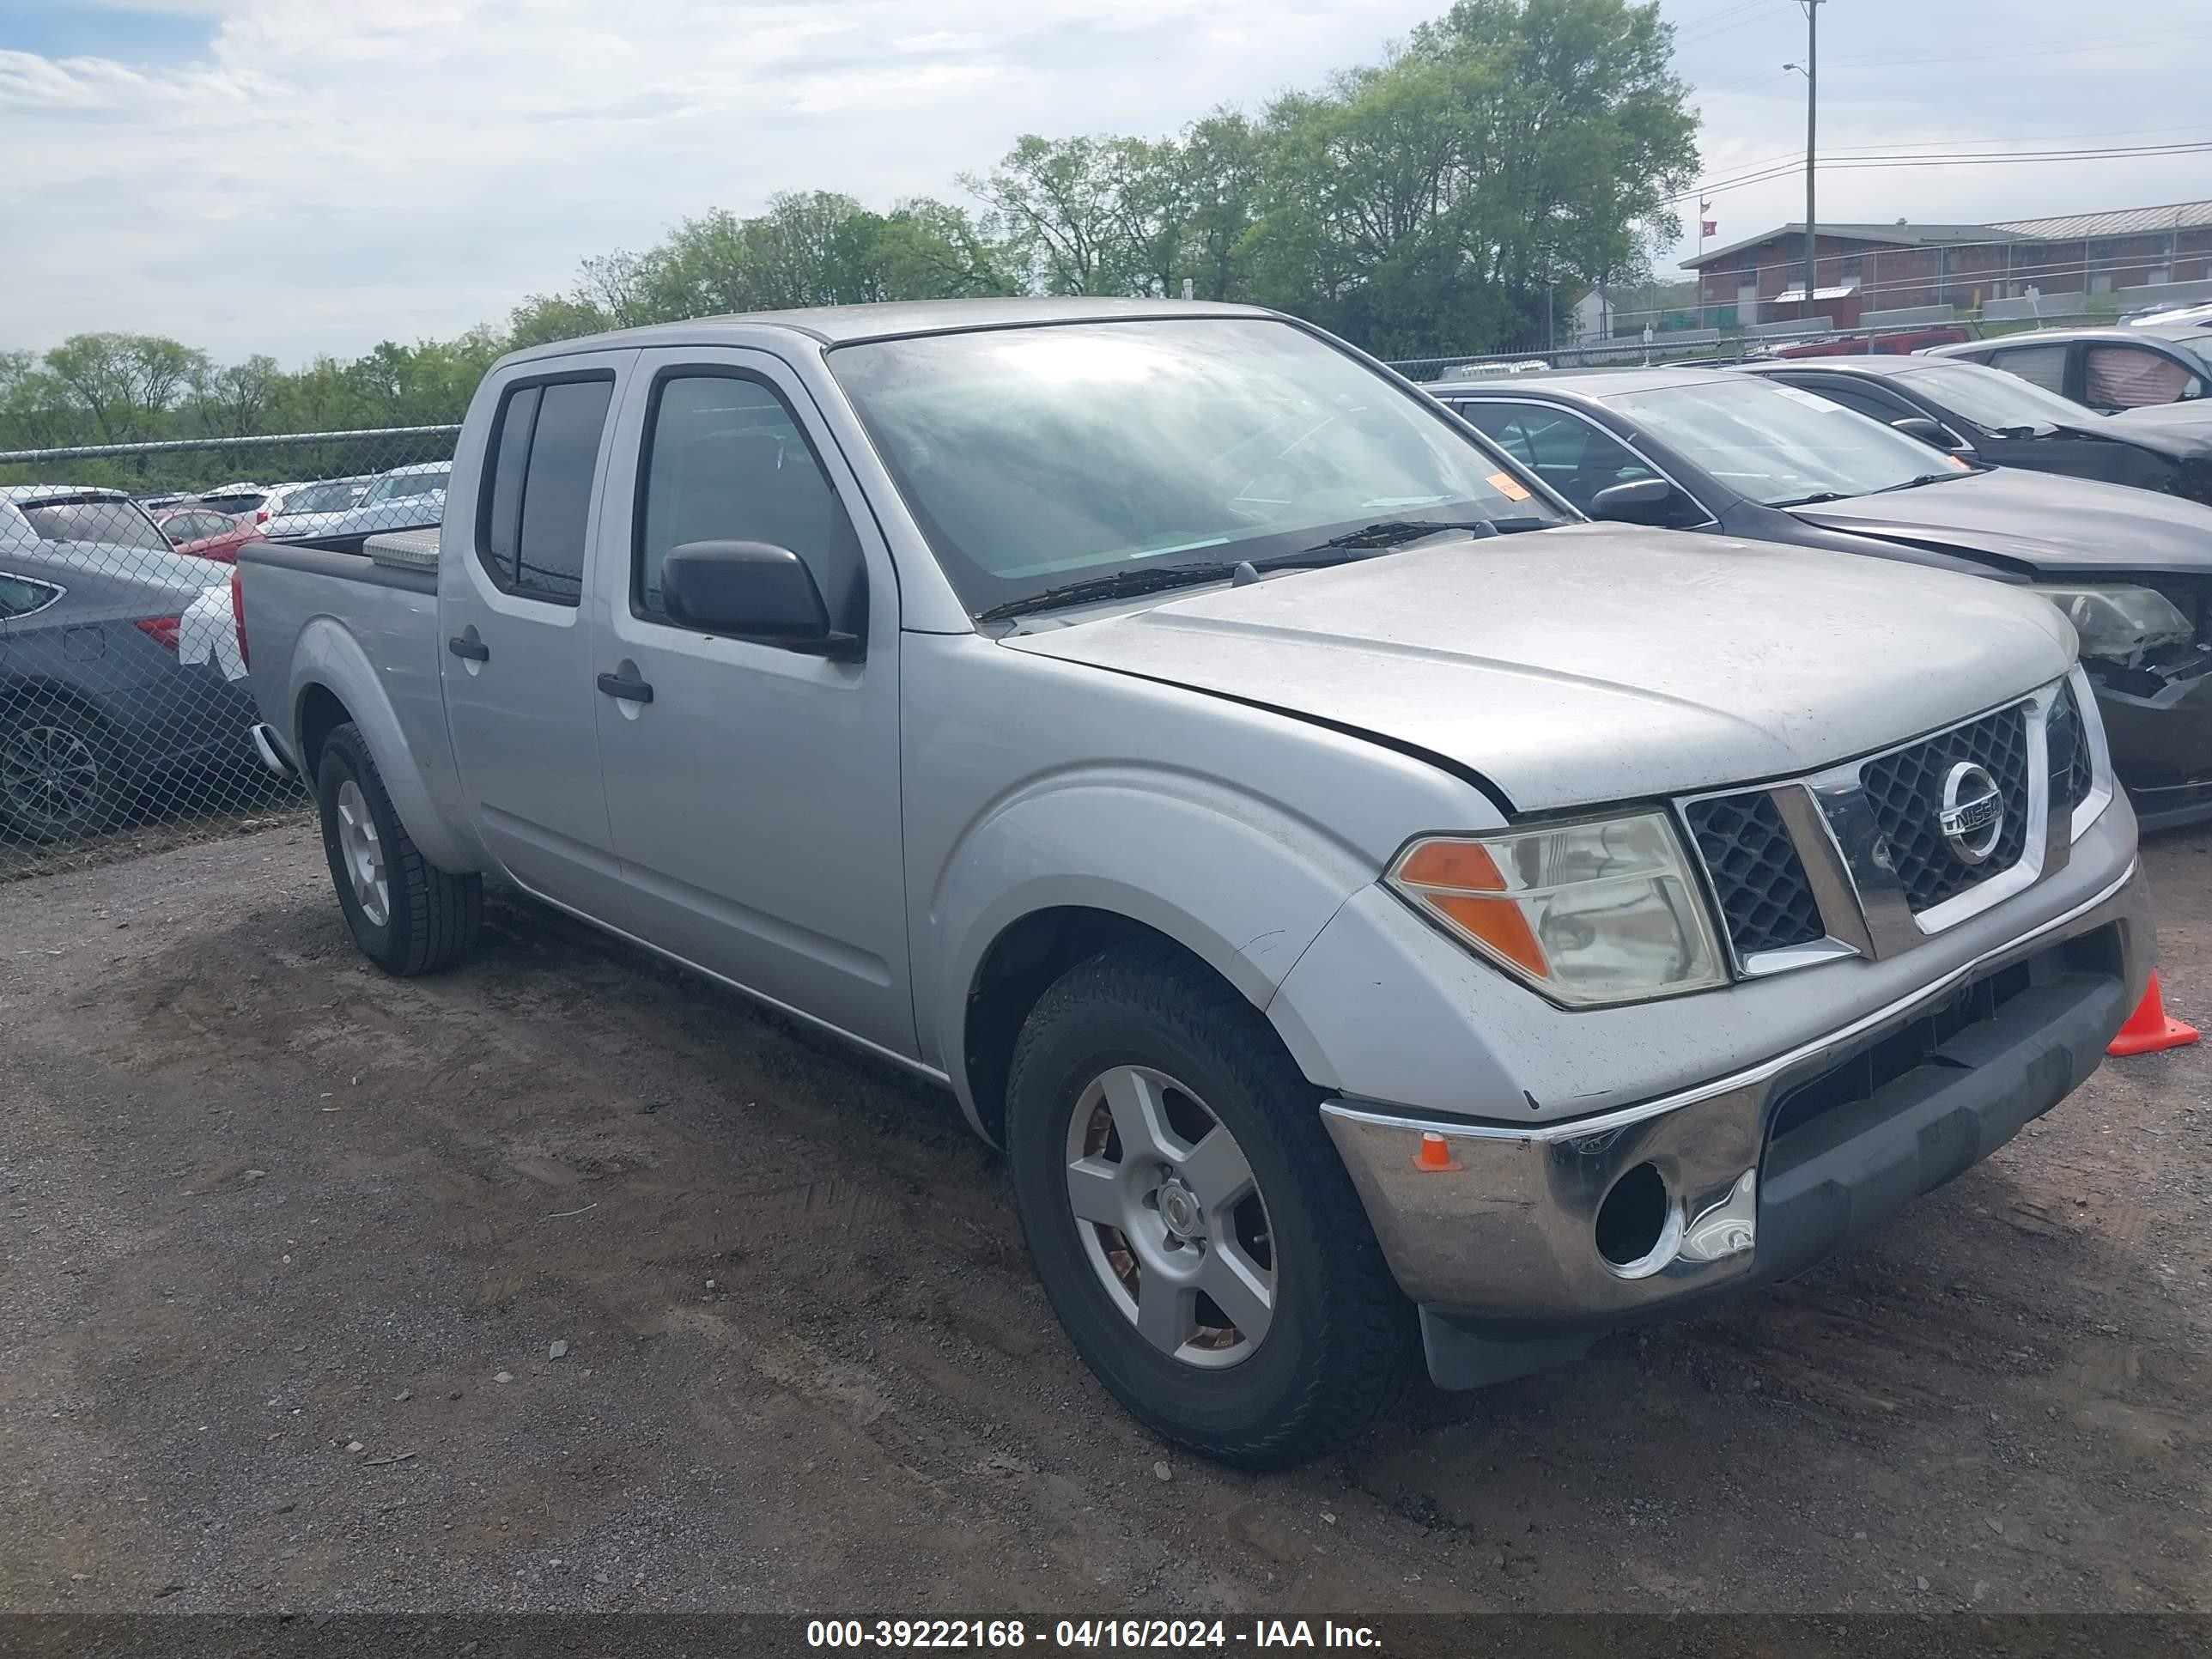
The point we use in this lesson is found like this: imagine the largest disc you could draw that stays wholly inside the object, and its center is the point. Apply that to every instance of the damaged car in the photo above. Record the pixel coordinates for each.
(1732, 454)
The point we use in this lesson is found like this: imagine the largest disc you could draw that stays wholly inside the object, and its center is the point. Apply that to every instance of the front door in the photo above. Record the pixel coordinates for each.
(515, 638)
(754, 791)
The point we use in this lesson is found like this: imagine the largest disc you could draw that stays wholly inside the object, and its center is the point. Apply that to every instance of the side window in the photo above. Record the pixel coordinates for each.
(19, 597)
(2131, 377)
(1567, 451)
(535, 514)
(726, 461)
(2043, 365)
(1501, 424)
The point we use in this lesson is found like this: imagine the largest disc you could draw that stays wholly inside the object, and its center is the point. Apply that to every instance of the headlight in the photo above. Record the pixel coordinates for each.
(1585, 913)
(2119, 622)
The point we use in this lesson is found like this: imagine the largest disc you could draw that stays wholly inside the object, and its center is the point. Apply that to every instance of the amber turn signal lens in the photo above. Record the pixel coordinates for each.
(1498, 923)
(1462, 864)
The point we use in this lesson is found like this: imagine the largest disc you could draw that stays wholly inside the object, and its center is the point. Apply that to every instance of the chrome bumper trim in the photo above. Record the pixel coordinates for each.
(1581, 1127)
(1503, 1232)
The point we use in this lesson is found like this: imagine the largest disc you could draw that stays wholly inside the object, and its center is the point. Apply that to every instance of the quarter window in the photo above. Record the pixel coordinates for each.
(19, 597)
(537, 502)
(726, 461)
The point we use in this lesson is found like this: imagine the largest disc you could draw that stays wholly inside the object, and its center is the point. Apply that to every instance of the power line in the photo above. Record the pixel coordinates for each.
(1767, 9)
(2032, 49)
(1941, 159)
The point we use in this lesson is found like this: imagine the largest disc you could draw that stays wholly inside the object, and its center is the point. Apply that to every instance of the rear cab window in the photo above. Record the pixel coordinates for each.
(534, 514)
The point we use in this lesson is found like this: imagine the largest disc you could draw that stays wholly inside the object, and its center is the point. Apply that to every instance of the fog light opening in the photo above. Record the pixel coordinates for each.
(1632, 1223)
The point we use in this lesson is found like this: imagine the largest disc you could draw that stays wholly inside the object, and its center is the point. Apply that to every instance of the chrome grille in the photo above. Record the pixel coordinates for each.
(1760, 882)
(1905, 791)
(2070, 766)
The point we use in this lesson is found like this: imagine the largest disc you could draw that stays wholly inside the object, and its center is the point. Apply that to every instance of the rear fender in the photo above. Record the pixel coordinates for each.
(327, 656)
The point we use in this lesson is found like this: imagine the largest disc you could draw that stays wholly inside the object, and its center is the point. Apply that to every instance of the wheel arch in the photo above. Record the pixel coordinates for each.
(1028, 955)
(334, 680)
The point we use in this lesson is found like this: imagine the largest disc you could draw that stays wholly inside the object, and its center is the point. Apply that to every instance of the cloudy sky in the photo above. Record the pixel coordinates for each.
(302, 176)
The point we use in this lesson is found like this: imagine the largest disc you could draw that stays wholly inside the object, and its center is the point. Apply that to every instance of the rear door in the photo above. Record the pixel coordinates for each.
(517, 637)
(755, 798)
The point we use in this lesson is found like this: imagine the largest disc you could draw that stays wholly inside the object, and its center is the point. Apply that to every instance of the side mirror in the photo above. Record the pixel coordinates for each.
(1645, 501)
(752, 591)
(1927, 431)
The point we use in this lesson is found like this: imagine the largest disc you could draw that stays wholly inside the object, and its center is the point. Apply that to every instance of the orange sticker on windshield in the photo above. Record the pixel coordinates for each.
(1508, 486)
(1956, 462)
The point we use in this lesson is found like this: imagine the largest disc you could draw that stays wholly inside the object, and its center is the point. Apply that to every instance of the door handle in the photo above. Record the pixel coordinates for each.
(474, 650)
(614, 685)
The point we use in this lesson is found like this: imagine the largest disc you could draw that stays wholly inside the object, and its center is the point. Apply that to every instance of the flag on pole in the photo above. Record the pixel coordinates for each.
(1707, 226)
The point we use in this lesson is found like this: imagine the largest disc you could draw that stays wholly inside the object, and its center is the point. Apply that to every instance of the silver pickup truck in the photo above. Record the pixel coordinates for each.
(1376, 912)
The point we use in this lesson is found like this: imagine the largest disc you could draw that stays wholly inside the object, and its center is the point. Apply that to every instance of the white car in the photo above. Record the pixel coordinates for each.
(210, 631)
(310, 509)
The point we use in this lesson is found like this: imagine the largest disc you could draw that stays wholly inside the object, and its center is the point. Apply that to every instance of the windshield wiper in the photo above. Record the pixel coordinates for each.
(1121, 584)
(2042, 431)
(1814, 500)
(1389, 532)
(1915, 483)
(1347, 549)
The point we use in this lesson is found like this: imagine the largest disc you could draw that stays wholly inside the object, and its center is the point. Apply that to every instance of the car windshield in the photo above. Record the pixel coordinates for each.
(1778, 445)
(320, 498)
(1995, 400)
(112, 524)
(404, 486)
(1037, 457)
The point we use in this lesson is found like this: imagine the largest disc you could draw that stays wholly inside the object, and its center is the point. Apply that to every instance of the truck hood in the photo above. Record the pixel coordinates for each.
(1600, 663)
(2041, 523)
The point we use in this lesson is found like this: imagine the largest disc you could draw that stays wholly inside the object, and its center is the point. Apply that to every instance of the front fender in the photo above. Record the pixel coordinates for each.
(413, 757)
(1240, 882)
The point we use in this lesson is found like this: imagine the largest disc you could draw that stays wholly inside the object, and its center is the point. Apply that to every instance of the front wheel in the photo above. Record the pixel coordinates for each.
(1191, 1221)
(407, 915)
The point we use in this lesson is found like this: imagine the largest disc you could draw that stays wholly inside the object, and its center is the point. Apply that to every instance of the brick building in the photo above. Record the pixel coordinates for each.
(1860, 268)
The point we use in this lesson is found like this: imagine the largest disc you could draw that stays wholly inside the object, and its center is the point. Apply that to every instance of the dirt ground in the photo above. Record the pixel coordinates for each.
(288, 1247)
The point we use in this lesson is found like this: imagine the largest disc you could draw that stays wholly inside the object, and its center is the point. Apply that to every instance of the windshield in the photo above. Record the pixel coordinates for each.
(1778, 445)
(1995, 400)
(1037, 457)
(113, 524)
(403, 486)
(320, 498)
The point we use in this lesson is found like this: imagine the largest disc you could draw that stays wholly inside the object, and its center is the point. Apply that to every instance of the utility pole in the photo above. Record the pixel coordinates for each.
(1812, 111)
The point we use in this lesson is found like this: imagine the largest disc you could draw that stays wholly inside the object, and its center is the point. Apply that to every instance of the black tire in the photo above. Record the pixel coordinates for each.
(59, 775)
(1343, 1338)
(434, 917)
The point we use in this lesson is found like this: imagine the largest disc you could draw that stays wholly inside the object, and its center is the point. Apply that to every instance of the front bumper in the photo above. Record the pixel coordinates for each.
(1523, 1244)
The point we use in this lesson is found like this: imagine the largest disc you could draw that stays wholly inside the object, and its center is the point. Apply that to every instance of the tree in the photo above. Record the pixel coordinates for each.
(123, 384)
(233, 402)
(1057, 202)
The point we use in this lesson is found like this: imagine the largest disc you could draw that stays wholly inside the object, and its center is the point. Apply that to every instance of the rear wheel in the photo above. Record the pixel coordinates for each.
(57, 772)
(1192, 1223)
(407, 915)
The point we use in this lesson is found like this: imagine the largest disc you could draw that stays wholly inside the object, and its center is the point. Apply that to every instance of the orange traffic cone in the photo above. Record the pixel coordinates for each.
(2148, 1029)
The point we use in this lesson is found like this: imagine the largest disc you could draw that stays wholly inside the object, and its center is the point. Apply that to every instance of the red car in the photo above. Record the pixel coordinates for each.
(206, 533)
(1902, 342)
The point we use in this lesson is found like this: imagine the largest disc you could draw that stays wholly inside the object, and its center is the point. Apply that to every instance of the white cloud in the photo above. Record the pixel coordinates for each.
(328, 176)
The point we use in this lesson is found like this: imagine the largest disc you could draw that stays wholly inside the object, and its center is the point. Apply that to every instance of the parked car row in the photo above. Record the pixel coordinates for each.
(1381, 913)
(100, 699)
(1799, 453)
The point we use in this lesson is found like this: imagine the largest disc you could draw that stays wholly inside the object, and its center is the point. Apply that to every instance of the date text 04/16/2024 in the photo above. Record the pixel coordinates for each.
(1082, 1634)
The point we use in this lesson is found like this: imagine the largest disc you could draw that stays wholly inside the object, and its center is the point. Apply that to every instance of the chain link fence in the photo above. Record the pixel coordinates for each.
(126, 696)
